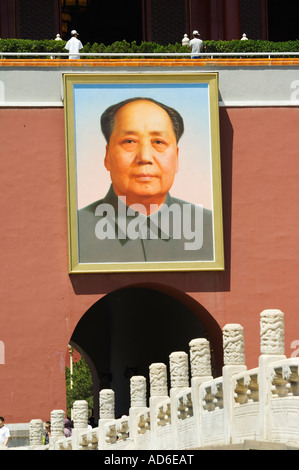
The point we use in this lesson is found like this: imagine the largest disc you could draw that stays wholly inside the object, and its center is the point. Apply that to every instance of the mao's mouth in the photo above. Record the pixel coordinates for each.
(144, 176)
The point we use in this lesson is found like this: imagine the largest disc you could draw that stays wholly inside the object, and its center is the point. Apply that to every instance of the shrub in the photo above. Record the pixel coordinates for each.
(251, 46)
(82, 385)
(51, 46)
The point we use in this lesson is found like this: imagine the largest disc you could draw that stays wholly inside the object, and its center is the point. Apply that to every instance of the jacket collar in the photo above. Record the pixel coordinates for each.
(150, 226)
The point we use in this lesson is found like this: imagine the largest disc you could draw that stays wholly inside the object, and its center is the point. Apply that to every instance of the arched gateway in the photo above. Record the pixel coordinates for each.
(130, 328)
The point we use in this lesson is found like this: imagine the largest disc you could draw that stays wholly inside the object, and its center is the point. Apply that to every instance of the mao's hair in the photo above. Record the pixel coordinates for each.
(108, 117)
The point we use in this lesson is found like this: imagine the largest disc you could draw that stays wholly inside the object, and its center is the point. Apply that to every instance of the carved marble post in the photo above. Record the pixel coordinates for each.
(138, 391)
(107, 414)
(200, 364)
(107, 404)
(80, 414)
(272, 332)
(185, 40)
(234, 362)
(200, 358)
(272, 350)
(179, 380)
(80, 420)
(36, 432)
(179, 370)
(138, 402)
(158, 394)
(158, 380)
(57, 425)
(233, 345)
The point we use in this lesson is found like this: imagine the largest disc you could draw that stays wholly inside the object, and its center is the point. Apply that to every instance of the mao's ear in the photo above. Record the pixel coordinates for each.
(106, 160)
(177, 160)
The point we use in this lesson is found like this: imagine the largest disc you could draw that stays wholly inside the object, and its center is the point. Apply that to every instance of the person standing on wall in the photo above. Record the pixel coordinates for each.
(196, 45)
(4, 432)
(47, 433)
(74, 45)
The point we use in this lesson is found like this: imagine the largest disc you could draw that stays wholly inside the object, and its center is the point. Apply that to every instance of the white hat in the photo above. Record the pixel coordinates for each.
(74, 32)
(196, 32)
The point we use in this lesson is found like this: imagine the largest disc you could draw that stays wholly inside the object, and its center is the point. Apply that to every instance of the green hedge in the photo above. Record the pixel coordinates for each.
(133, 47)
(26, 45)
(251, 46)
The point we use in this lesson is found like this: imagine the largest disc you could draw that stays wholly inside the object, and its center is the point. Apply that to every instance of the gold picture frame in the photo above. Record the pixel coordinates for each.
(195, 97)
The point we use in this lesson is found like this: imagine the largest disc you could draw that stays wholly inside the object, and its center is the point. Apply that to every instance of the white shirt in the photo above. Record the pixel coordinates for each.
(74, 46)
(196, 45)
(4, 434)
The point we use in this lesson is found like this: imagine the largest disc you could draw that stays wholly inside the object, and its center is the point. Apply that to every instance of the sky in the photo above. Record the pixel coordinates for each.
(193, 181)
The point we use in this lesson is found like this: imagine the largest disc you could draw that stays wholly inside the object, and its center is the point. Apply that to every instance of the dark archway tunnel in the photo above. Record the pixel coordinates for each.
(129, 329)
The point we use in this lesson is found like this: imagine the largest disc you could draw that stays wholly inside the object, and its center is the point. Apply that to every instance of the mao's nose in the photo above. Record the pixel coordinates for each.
(144, 153)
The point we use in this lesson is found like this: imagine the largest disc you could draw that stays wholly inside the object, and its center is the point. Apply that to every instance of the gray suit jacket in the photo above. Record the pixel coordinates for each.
(110, 232)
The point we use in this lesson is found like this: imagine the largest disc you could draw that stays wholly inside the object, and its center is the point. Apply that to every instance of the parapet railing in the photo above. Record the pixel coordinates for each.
(212, 412)
(260, 404)
(100, 55)
(245, 389)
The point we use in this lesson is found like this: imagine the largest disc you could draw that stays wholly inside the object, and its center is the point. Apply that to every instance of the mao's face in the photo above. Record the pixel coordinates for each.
(142, 154)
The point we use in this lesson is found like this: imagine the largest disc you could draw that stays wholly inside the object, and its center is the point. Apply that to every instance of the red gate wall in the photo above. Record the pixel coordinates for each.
(42, 304)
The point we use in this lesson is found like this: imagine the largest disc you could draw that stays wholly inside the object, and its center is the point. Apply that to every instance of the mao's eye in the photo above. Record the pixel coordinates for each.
(129, 144)
(159, 145)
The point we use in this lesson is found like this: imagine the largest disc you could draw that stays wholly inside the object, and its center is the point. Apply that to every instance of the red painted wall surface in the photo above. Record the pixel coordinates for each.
(41, 304)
